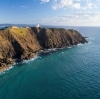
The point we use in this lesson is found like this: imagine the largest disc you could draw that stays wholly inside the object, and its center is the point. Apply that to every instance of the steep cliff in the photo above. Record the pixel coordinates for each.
(58, 38)
(24, 43)
(20, 43)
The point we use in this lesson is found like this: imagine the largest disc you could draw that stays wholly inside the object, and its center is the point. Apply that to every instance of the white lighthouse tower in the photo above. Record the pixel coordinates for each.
(38, 25)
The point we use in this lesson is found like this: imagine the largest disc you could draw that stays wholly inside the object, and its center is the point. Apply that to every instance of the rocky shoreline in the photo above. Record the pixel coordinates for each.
(25, 43)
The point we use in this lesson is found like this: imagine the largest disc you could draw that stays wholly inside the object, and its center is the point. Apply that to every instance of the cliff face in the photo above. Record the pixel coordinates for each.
(18, 43)
(57, 38)
(22, 43)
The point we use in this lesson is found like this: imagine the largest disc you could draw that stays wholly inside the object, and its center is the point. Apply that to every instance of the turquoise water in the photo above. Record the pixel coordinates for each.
(72, 73)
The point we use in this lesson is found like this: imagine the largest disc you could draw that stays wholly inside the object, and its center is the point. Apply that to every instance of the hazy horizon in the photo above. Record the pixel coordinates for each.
(47, 25)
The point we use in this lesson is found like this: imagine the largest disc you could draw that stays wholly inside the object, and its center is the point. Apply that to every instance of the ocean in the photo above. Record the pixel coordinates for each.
(69, 73)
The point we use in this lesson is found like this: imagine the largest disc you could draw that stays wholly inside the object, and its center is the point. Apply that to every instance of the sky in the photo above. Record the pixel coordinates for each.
(51, 12)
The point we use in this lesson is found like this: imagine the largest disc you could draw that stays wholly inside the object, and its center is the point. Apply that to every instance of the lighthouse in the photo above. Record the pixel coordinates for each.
(38, 25)
(38, 28)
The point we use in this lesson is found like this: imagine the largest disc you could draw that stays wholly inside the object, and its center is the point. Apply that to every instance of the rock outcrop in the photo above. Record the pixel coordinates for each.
(24, 43)
(58, 38)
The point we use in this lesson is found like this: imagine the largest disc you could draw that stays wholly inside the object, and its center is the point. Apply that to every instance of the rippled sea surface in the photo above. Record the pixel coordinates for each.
(72, 73)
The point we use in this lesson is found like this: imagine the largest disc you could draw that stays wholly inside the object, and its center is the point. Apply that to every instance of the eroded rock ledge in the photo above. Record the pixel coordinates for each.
(25, 43)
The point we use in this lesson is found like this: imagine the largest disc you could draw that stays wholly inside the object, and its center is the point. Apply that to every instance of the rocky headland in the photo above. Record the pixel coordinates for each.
(24, 43)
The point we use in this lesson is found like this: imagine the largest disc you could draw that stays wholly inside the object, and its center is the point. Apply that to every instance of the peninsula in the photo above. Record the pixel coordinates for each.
(24, 43)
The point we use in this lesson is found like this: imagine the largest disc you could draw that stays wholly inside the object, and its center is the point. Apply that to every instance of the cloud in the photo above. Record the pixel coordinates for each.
(77, 19)
(44, 1)
(22, 6)
(58, 4)
(77, 13)
(75, 4)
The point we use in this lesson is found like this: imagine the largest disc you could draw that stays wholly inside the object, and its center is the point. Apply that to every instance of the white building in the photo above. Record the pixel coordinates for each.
(14, 27)
(38, 25)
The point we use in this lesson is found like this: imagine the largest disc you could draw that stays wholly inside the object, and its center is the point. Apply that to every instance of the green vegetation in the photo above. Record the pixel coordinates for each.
(19, 31)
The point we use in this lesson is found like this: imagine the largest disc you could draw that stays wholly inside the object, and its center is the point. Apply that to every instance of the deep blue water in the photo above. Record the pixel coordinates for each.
(72, 73)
